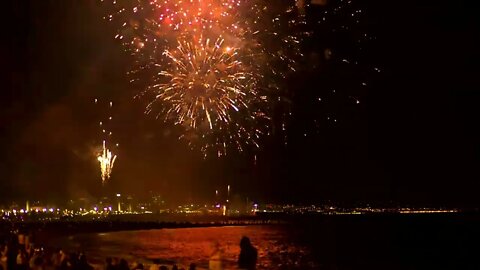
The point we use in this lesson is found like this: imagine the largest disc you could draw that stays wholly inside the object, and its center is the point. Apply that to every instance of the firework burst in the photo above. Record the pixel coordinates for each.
(107, 160)
(206, 88)
(213, 67)
(105, 156)
(204, 82)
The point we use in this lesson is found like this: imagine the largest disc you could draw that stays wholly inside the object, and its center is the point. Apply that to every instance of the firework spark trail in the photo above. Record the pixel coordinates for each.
(107, 160)
(105, 156)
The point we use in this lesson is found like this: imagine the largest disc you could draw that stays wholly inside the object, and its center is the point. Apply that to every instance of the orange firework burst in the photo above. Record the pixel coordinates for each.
(211, 66)
(205, 81)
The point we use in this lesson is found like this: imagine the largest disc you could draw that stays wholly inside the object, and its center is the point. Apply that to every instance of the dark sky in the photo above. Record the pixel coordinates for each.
(413, 139)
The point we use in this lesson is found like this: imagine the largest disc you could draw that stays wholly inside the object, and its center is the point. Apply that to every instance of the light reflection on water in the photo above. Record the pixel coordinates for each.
(276, 246)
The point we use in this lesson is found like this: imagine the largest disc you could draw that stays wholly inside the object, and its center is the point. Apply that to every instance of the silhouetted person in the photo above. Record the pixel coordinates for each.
(174, 267)
(3, 257)
(192, 266)
(36, 261)
(155, 265)
(12, 253)
(21, 260)
(83, 263)
(248, 255)
(215, 262)
(137, 266)
(65, 263)
(39, 263)
(56, 259)
(108, 264)
(32, 258)
(29, 251)
(123, 265)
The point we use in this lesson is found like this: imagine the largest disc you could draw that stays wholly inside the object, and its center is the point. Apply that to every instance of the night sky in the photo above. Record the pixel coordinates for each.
(412, 140)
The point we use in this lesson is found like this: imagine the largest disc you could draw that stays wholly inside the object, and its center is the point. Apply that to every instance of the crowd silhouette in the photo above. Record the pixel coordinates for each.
(18, 254)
